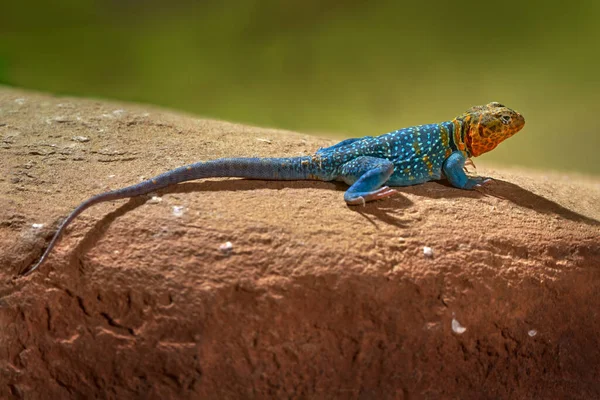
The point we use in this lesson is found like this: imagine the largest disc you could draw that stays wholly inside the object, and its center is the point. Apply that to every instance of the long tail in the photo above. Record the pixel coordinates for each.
(298, 168)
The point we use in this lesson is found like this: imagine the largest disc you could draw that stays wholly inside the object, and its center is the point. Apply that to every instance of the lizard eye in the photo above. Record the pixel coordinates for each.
(505, 119)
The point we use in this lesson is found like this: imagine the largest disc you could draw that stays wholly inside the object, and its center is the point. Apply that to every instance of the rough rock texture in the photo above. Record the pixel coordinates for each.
(314, 300)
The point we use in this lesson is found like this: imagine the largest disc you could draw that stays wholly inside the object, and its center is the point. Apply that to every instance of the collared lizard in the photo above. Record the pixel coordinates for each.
(370, 164)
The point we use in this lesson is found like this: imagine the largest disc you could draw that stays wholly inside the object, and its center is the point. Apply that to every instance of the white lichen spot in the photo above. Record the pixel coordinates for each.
(155, 200)
(37, 226)
(457, 327)
(111, 176)
(20, 101)
(81, 139)
(118, 113)
(532, 333)
(428, 251)
(264, 140)
(226, 247)
(178, 211)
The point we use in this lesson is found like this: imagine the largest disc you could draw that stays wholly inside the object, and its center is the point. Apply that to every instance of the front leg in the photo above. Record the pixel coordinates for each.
(454, 170)
(366, 175)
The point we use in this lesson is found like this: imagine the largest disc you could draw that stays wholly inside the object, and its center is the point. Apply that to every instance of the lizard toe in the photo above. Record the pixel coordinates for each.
(363, 198)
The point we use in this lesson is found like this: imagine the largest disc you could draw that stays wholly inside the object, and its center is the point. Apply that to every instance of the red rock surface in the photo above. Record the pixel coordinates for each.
(314, 300)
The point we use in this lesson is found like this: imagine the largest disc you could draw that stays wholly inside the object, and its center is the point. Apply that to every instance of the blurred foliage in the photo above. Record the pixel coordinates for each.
(3, 72)
(326, 66)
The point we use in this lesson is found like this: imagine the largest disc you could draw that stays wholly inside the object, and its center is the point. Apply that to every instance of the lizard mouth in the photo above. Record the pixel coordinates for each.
(521, 122)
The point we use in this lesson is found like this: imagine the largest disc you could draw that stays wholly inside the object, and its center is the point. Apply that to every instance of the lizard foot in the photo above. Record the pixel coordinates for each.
(483, 184)
(478, 182)
(380, 193)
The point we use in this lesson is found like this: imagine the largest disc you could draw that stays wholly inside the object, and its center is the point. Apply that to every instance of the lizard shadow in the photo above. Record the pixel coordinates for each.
(524, 198)
(507, 191)
(385, 214)
(384, 211)
(98, 229)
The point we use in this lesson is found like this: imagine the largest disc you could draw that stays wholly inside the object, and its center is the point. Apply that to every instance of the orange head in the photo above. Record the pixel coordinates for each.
(482, 128)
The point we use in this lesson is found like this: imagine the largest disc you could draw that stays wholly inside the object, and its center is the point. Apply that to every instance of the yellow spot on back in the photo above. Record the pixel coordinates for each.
(445, 137)
(429, 164)
(416, 147)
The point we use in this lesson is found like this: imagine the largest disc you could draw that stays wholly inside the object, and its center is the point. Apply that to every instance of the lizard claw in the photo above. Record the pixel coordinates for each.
(469, 163)
(484, 183)
(384, 191)
(381, 193)
(357, 201)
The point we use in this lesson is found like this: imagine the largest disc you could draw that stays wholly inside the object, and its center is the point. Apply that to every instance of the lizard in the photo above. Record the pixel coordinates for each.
(369, 164)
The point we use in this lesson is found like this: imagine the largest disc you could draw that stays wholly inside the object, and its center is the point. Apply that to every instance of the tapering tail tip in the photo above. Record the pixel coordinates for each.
(27, 271)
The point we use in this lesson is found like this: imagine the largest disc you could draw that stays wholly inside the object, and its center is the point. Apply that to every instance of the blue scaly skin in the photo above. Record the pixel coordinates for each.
(404, 157)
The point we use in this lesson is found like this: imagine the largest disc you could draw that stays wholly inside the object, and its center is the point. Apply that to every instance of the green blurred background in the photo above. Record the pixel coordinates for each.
(328, 67)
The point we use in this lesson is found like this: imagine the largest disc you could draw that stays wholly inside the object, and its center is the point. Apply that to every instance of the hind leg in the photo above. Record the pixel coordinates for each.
(366, 175)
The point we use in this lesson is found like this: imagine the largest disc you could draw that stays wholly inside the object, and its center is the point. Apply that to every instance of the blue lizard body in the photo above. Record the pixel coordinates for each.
(417, 153)
(403, 157)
